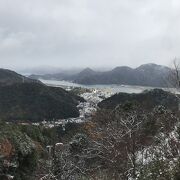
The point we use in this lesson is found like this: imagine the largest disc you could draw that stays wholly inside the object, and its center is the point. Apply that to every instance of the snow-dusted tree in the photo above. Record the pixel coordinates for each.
(128, 137)
(125, 143)
(118, 137)
(159, 159)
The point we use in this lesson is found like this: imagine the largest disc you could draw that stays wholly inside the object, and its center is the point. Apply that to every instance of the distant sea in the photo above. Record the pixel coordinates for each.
(113, 88)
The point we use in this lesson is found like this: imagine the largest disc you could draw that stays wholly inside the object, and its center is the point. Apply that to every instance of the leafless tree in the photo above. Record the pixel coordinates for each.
(174, 78)
(174, 75)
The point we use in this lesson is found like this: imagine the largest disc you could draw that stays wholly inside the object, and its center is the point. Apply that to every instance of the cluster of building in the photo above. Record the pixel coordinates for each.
(86, 109)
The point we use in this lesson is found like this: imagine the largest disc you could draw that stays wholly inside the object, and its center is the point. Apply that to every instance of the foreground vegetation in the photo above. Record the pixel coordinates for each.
(123, 140)
(24, 147)
(124, 143)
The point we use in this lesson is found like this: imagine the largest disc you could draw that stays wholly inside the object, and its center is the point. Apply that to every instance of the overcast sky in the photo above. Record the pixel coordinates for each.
(72, 33)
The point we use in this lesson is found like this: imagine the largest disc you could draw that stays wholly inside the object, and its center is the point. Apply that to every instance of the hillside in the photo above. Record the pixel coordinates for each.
(8, 77)
(147, 100)
(145, 75)
(36, 102)
(25, 99)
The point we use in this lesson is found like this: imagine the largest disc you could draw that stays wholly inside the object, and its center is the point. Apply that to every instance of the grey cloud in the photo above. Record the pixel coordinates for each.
(88, 32)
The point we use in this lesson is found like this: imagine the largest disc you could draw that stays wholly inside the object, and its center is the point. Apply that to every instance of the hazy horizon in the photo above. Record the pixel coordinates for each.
(97, 34)
(70, 70)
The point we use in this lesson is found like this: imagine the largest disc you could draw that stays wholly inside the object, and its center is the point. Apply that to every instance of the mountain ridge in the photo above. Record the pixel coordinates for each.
(145, 75)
